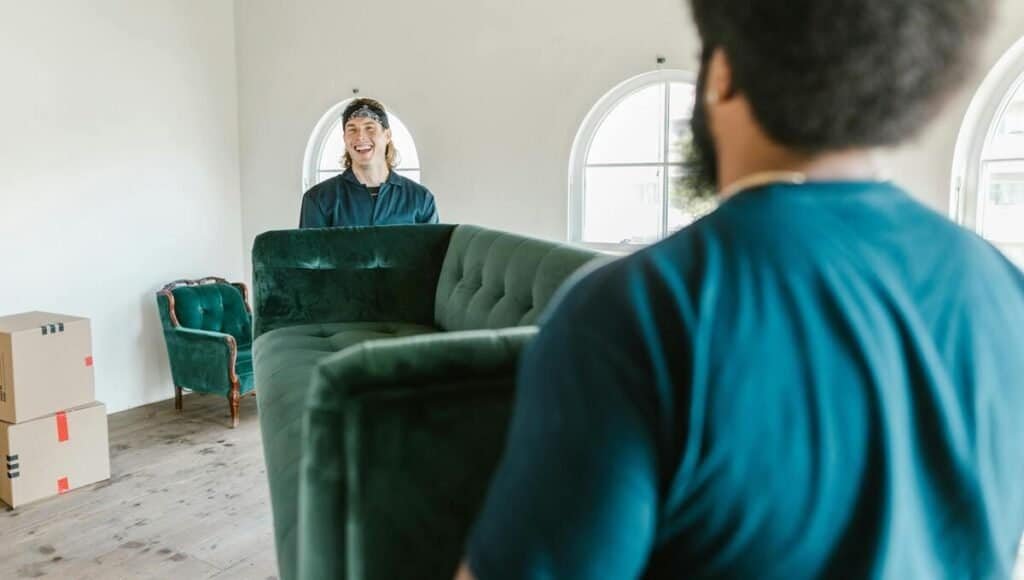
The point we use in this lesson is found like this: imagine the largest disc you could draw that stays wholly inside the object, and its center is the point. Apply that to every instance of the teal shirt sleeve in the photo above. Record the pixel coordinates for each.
(311, 215)
(429, 213)
(576, 495)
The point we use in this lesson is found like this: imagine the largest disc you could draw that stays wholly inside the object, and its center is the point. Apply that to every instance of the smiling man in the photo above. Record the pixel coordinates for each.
(369, 192)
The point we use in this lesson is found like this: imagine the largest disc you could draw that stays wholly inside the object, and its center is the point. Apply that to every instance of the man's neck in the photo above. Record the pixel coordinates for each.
(372, 175)
(848, 165)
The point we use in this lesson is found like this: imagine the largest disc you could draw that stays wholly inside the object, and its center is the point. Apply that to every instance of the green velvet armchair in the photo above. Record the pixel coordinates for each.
(208, 329)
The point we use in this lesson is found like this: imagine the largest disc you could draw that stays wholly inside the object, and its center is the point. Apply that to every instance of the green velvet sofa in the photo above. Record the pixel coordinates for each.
(385, 360)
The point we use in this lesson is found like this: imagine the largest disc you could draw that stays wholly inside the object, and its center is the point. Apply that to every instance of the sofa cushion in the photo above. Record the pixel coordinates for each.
(492, 279)
(284, 362)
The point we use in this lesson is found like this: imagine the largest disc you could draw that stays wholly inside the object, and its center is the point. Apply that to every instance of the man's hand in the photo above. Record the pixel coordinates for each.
(464, 573)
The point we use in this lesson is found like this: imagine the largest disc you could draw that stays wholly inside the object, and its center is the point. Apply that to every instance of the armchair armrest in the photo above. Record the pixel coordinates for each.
(202, 360)
(400, 439)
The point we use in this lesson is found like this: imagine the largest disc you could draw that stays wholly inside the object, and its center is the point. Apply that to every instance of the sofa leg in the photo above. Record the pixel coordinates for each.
(177, 398)
(233, 400)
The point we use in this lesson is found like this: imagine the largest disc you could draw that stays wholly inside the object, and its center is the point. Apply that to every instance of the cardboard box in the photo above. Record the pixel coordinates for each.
(54, 454)
(45, 365)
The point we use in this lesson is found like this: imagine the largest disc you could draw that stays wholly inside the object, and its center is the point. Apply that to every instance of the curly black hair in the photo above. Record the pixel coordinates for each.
(831, 74)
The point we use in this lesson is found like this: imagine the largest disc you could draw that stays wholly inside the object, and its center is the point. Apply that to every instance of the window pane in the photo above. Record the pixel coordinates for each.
(622, 204)
(413, 174)
(633, 132)
(334, 149)
(1015, 252)
(1001, 206)
(324, 175)
(680, 109)
(407, 154)
(683, 207)
(1008, 137)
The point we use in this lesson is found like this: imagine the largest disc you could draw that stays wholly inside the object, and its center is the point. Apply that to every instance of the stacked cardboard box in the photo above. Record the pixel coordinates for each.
(53, 433)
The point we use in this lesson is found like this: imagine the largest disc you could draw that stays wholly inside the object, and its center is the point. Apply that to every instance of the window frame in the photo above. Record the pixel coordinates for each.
(321, 132)
(585, 139)
(979, 125)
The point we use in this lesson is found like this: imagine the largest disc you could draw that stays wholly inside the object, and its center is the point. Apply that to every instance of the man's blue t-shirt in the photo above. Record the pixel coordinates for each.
(814, 380)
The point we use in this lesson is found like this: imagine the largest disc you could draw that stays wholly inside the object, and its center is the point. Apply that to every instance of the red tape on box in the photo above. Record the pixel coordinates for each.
(62, 426)
(62, 485)
(88, 361)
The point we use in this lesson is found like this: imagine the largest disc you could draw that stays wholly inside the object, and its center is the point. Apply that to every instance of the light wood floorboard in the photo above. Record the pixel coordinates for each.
(187, 498)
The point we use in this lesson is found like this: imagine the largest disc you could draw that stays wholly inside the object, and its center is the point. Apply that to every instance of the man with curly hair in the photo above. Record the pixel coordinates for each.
(821, 378)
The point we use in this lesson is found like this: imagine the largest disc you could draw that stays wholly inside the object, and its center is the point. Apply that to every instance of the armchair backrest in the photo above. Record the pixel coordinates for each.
(211, 304)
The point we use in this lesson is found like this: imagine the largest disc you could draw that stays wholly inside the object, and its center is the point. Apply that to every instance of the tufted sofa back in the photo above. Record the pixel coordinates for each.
(325, 275)
(452, 277)
(492, 279)
(214, 307)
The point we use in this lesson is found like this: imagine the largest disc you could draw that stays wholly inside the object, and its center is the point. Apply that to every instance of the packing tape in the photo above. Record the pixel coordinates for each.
(3, 377)
(62, 426)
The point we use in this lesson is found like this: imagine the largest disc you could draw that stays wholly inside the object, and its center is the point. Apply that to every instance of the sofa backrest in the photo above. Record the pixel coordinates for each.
(322, 275)
(492, 279)
(215, 308)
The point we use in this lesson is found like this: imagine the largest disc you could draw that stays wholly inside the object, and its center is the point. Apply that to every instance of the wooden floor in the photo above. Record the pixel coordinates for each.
(187, 499)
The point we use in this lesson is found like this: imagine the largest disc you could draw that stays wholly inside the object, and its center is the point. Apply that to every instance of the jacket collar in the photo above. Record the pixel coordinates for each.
(350, 176)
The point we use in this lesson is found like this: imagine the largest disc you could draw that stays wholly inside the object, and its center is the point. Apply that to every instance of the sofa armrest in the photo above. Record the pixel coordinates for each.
(401, 363)
(400, 439)
(201, 360)
(323, 275)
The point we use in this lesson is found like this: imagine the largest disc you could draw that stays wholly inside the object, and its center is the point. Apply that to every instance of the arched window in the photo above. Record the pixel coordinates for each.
(624, 186)
(988, 173)
(327, 146)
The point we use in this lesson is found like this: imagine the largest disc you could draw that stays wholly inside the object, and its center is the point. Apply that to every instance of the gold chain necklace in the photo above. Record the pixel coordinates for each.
(764, 178)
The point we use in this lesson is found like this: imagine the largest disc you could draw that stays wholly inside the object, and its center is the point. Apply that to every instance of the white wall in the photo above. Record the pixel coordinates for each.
(118, 169)
(494, 92)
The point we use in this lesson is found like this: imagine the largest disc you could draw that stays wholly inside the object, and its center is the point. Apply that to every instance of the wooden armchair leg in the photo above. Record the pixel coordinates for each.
(177, 397)
(233, 400)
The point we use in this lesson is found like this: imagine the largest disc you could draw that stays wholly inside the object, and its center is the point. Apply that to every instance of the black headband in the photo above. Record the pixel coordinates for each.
(366, 111)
